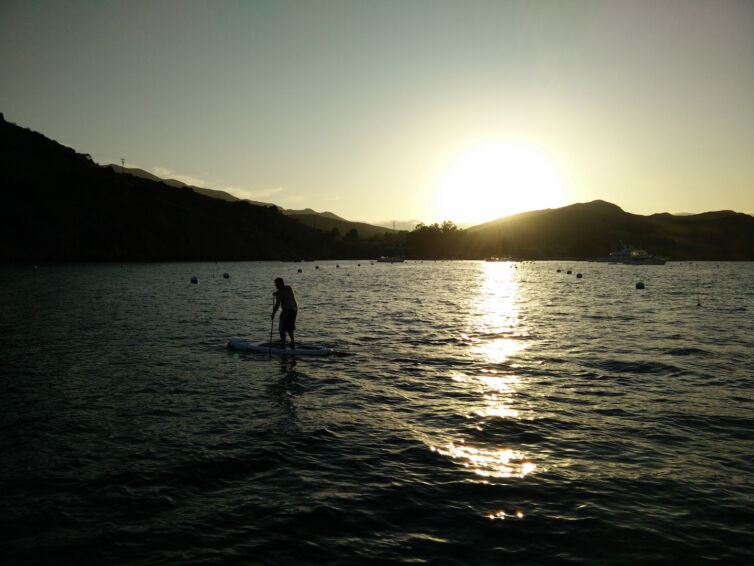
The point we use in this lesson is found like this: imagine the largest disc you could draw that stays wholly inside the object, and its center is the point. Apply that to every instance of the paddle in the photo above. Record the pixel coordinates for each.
(272, 322)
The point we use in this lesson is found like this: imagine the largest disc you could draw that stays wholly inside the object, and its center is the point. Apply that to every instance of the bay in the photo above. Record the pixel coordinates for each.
(485, 412)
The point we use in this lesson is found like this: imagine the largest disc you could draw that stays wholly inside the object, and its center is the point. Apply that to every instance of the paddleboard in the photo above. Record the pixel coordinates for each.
(264, 348)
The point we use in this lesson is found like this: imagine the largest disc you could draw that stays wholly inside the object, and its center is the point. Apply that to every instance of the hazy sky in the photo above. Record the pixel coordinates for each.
(400, 110)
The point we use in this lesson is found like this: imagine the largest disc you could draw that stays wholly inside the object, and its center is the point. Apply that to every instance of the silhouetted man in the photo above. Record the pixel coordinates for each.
(285, 298)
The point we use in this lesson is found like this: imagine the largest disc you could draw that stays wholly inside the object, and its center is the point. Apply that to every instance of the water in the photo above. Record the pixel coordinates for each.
(489, 413)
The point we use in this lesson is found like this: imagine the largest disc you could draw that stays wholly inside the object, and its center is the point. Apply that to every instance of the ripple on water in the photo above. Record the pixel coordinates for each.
(488, 415)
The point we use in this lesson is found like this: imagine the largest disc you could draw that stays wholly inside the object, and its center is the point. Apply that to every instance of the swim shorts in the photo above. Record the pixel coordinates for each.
(288, 320)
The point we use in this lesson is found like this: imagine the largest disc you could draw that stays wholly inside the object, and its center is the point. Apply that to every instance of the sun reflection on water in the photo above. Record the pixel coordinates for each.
(498, 350)
(500, 514)
(495, 321)
(494, 335)
(488, 463)
(499, 394)
(499, 383)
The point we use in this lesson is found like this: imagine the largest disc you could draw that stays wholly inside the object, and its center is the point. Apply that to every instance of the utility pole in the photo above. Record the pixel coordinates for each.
(122, 165)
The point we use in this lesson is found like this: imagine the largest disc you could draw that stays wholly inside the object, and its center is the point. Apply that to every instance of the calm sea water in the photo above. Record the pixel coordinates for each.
(489, 413)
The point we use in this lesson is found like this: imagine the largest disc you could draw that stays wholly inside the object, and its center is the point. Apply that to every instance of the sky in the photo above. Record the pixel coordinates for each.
(401, 110)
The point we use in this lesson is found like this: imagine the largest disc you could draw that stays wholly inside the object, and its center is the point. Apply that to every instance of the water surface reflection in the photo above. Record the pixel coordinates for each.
(495, 335)
(494, 322)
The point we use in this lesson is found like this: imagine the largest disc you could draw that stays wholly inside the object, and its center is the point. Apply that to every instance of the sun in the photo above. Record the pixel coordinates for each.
(495, 179)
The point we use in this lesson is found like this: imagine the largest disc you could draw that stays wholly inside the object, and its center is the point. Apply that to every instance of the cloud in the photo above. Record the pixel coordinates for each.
(274, 195)
(254, 194)
(167, 173)
(240, 192)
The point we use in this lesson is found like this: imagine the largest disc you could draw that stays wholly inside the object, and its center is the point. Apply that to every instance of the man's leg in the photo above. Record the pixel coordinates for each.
(293, 340)
(281, 328)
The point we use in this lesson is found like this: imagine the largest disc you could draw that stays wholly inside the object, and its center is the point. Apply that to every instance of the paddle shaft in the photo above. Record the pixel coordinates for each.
(272, 323)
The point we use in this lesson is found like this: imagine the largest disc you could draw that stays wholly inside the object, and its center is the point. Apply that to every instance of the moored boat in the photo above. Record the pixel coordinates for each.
(629, 255)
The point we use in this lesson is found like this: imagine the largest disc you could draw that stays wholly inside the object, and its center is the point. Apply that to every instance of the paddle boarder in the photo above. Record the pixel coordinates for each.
(286, 299)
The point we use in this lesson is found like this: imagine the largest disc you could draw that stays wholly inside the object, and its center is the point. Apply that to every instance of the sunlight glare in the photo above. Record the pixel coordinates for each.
(500, 514)
(505, 463)
(496, 317)
(495, 179)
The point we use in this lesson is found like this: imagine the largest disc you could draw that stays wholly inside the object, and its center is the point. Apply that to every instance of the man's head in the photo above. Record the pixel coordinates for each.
(279, 282)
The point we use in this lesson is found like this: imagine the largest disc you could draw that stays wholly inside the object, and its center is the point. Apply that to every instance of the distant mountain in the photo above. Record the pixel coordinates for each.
(143, 174)
(326, 221)
(593, 229)
(310, 212)
(399, 225)
(329, 222)
(58, 205)
(222, 195)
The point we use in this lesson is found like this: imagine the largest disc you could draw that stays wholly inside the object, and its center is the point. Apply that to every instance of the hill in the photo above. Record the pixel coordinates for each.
(325, 221)
(222, 195)
(60, 206)
(589, 230)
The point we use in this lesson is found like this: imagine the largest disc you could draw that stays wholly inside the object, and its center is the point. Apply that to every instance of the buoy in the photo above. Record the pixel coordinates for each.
(226, 275)
(579, 276)
(639, 284)
(300, 270)
(337, 266)
(558, 271)
(194, 280)
(569, 272)
(316, 267)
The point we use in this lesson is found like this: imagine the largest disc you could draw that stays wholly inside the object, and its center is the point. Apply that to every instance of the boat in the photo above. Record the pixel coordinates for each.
(629, 255)
(391, 259)
(266, 348)
(495, 258)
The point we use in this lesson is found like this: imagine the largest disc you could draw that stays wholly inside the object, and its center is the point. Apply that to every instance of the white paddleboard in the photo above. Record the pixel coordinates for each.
(264, 348)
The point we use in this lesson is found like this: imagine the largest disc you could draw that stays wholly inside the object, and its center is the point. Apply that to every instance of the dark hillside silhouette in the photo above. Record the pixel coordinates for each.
(222, 195)
(327, 223)
(591, 230)
(60, 206)
(324, 221)
(588, 231)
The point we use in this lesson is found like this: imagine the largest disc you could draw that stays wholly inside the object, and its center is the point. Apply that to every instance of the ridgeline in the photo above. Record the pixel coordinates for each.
(590, 230)
(58, 205)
